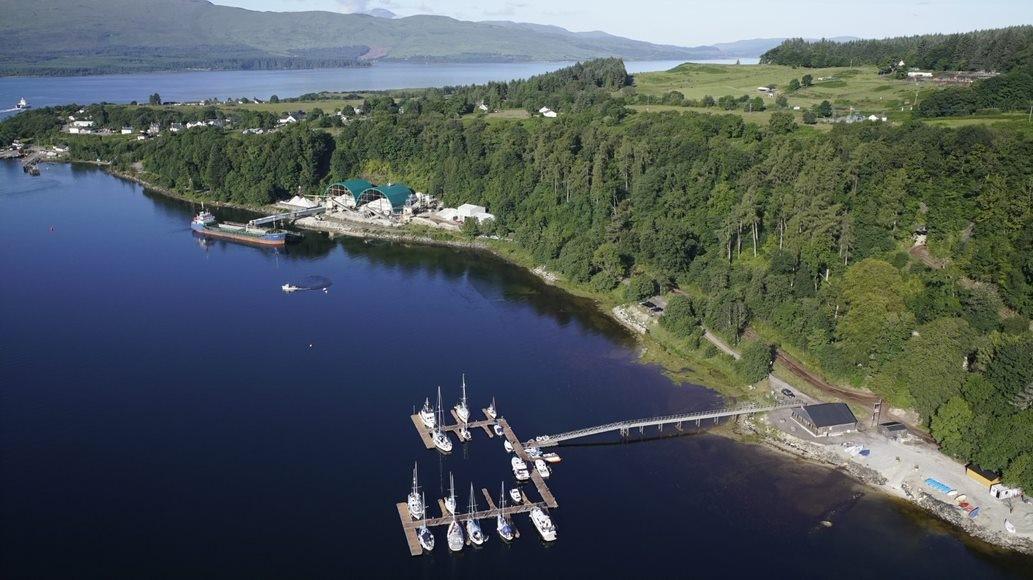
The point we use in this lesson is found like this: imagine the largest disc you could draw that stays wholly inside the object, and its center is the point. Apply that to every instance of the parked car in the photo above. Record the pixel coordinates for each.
(789, 393)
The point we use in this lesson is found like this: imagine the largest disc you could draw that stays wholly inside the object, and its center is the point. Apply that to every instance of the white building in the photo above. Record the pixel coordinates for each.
(127, 130)
(547, 112)
(918, 74)
(82, 123)
(1001, 491)
(483, 107)
(478, 212)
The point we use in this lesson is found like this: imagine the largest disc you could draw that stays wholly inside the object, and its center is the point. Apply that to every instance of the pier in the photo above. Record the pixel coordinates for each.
(287, 216)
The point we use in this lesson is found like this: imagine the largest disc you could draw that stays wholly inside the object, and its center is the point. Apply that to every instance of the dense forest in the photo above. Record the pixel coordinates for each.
(999, 49)
(1005, 50)
(803, 236)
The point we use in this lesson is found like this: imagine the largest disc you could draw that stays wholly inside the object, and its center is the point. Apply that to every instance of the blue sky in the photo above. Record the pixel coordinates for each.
(692, 22)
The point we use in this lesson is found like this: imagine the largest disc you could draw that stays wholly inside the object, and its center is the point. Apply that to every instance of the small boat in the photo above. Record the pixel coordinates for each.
(503, 525)
(473, 528)
(450, 501)
(517, 463)
(440, 439)
(462, 409)
(464, 433)
(415, 499)
(507, 446)
(498, 430)
(490, 411)
(542, 468)
(424, 535)
(289, 288)
(1009, 526)
(23, 104)
(551, 457)
(427, 414)
(516, 496)
(455, 535)
(543, 523)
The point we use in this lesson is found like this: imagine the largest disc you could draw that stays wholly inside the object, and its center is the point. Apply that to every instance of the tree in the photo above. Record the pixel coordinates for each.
(933, 365)
(950, 426)
(708, 101)
(641, 287)
(807, 80)
(794, 85)
(809, 117)
(755, 363)
(781, 102)
(680, 316)
(825, 109)
(154, 99)
(470, 227)
(877, 322)
(781, 123)
(274, 99)
(757, 104)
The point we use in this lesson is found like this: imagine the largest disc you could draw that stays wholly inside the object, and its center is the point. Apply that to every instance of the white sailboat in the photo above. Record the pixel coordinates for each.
(424, 534)
(450, 501)
(441, 440)
(462, 409)
(455, 535)
(502, 522)
(543, 523)
(427, 415)
(490, 411)
(415, 500)
(473, 528)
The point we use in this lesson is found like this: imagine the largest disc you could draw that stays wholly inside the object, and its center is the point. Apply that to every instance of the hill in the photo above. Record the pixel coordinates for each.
(93, 36)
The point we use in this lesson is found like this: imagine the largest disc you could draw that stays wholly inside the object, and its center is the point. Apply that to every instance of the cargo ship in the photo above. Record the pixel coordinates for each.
(206, 225)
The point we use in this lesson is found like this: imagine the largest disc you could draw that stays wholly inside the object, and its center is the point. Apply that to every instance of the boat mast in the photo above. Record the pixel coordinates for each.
(463, 400)
(473, 501)
(502, 499)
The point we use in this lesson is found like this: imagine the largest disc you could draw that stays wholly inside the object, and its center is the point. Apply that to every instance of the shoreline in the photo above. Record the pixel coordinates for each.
(743, 431)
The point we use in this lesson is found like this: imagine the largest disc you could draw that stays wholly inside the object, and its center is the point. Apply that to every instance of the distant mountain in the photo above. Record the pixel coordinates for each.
(381, 13)
(91, 36)
(754, 47)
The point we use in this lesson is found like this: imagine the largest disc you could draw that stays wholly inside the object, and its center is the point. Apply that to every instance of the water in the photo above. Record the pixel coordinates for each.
(166, 411)
(197, 85)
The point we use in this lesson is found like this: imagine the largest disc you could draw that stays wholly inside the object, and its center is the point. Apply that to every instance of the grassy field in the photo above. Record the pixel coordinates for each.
(328, 106)
(758, 117)
(859, 87)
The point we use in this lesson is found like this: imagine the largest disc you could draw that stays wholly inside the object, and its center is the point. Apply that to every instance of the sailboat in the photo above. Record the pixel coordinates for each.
(427, 415)
(450, 501)
(424, 535)
(502, 523)
(490, 411)
(455, 535)
(462, 409)
(441, 440)
(415, 500)
(473, 529)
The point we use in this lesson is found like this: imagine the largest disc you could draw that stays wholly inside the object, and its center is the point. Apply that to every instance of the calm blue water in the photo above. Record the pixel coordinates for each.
(165, 411)
(192, 86)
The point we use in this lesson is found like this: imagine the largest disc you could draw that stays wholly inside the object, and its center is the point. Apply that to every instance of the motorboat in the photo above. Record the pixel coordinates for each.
(552, 457)
(498, 430)
(23, 104)
(517, 463)
(522, 474)
(473, 528)
(490, 411)
(542, 468)
(424, 534)
(288, 288)
(533, 452)
(450, 501)
(503, 525)
(455, 535)
(516, 496)
(427, 414)
(415, 500)
(464, 433)
(439, 437)
(462, 409)
(507, 446)
(543, 523)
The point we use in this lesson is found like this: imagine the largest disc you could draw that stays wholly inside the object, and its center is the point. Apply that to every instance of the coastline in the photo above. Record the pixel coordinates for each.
(744, 431)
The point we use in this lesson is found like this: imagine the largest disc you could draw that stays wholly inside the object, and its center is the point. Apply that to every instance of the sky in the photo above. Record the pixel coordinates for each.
(695, 22)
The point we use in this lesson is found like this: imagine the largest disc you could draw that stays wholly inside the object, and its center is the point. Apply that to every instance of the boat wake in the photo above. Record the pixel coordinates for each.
(309, 283)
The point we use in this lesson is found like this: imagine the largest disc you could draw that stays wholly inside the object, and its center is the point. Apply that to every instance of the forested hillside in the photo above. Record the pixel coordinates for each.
(801, 234)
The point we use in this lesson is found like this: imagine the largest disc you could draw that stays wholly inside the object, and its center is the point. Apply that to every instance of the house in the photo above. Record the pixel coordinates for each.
(874, 117)
(127, 130)
(826, 419)
(895, 430)
(154, 129)
(918, 74)
(176, 127)
(60, 148)
(192, 124)
(81, 123)
(292, 118)
(483, 107)
(547, 112)
(985, 478)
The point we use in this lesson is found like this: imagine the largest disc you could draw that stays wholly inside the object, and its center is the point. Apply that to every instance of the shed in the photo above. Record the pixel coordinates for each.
(984, 477)
(894, 430)
(826, 419)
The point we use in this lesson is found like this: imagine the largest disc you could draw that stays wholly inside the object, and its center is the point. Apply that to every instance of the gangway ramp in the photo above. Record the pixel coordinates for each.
(287, 216)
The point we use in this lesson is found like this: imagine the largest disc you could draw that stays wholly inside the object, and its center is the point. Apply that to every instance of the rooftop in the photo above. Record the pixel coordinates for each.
(830, 414)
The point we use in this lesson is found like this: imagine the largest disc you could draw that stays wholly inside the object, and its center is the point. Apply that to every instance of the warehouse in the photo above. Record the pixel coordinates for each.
(826, 419)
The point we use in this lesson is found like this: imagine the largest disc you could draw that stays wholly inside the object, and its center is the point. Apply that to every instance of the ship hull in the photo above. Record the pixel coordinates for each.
(269, 239)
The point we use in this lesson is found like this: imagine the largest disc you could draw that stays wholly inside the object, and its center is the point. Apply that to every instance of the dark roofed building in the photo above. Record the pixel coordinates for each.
(826, 419)
(894, 430)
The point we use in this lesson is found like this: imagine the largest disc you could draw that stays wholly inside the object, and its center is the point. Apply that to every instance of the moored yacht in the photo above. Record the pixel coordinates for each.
(490, 411)
(542, 468)
(473, 527)
(498, 430)
(424, 534)
(415, 499)
(427, 414)
(503, 525)
(543, 523)
(462, 409)
(455, 535)
(507, 446)
(552, 457)
(464, 433)
(439, 437)
(450, 501)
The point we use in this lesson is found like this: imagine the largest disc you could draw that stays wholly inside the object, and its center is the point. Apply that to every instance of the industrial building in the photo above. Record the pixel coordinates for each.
(826, 419)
